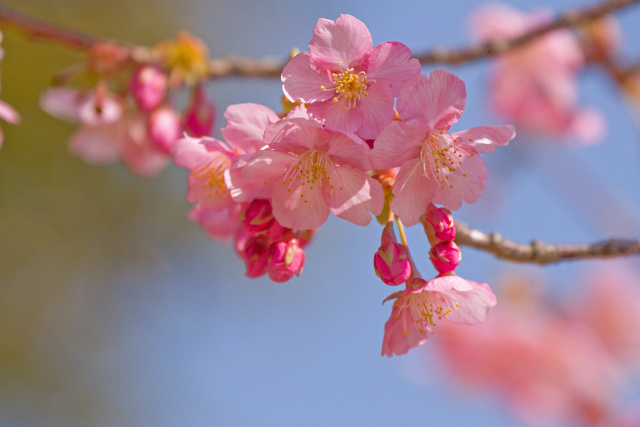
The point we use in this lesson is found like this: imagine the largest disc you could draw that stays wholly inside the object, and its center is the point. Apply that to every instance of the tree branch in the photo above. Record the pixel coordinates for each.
(271, 67)
(539, 252)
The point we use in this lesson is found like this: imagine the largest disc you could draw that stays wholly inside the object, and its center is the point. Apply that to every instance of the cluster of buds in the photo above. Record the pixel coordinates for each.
(440, 229)
(265, 246)
(124, 103)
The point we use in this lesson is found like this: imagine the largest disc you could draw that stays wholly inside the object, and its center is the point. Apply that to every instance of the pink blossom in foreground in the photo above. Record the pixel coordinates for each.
(349, 84)
(310, 171)
(417, 308)
(436, 166)
(536, 87)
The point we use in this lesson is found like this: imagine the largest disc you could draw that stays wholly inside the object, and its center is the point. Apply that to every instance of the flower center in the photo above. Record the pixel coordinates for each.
(441, 157)
(427, 305)
(211, 175)
(313, 167)
(350, 86)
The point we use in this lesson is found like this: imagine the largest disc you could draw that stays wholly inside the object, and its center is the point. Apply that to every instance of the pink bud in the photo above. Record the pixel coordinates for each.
(445, 256)
(164, 129)
(148, 86)
(258, 216)
(256, 255)
(201, 114)
(439, 224)
(392, 263)
(286, 259)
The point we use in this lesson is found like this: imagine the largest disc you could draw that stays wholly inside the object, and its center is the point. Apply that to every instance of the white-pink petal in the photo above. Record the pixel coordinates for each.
(391, 63)
(377, 110)
(412, 193)
(354, 195)
(439, 99)
(296, 135)
(346, 41)
(485, 139)
(245, 126)
(298, 206)
(398, 143)
(472, 305)
(303, 80)
(335, 116)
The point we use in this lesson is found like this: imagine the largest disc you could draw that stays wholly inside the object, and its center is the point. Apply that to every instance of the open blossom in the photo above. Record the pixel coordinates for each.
(436, 166)
(536, 87)
(309, 171)
(349, 85)
(417, 308)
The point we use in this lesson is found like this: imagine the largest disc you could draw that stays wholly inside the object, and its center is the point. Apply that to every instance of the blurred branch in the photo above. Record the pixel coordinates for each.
(570, 19)
(234, 65)
(539, 252)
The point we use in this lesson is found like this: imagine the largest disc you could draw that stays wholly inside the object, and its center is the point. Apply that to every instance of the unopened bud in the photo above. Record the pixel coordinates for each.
(258, 217)
(148, 86)
(201, 114)
(439, 224)
(392, 263)
(164, 129)
(445, 256)
(286, 260)
(255, 256)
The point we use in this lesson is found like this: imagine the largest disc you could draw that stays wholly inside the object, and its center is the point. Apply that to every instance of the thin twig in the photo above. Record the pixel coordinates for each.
(539, 252)
(271, 67)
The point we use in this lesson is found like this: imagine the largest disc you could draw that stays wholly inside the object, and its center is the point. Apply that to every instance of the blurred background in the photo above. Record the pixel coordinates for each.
(115, 310)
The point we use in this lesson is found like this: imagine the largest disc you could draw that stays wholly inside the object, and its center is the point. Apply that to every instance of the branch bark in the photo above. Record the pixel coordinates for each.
(539, 252)
(271, 67)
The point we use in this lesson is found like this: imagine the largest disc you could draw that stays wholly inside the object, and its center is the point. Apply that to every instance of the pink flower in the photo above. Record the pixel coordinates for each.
(349, 84)
(536, 86)
(164, 128)
(436, 166)
(311, 171)
(148, 86)
(417, 308)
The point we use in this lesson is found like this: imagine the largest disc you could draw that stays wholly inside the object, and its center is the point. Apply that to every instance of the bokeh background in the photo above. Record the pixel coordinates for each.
(115, 310)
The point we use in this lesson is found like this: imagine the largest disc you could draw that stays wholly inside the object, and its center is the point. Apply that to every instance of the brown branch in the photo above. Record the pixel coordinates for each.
(539, 252)
(272, 67)
(570, 19)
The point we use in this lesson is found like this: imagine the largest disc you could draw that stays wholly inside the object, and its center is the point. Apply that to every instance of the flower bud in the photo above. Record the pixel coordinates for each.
(164, 129)
(392, 263)
(258, 217)
(445, 256)
(286, 260)
(201, 114)
(439, 224)
(255, 256)
(148, 86)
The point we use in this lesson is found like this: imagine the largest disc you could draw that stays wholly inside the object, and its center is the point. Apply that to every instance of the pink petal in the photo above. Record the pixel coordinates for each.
(439, 99)
(334, 115)
(346, 41)
(354, 195)
(485, 139)
(296, 135)
(192, 152)
(8, 114)
(398, 143)
(346, 149)
(240, 189)
(402, 332)
(412, 192)
(266, 168)
(448, 282)
(303, 80)
(138, 154)
(377, 110)
(62, 103)
(466, 183)
(473, 305)
(97, 144)
(391, 63)
(220, 226)
(245, 126)
(298, 206)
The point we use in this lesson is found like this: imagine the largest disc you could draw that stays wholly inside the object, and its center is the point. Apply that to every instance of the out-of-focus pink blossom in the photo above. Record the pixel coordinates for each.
(220, 225)
(148, 87)
(436, 166)
(445, 256)
(164, 128)
(310, 171)
(422, 303)
(348, 84)
(536, 87)
(286, 260)
(201, 114)
(9, 115)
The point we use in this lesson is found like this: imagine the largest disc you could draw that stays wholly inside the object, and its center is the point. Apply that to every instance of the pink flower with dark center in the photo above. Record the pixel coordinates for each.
(422, 303)
(310, 171)
(436, 166)
(348, 84)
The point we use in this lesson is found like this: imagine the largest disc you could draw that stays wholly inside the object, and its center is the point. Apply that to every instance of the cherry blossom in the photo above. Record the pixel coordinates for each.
(309, 171)
(349, 85)
(417, 308)
(436, 166)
